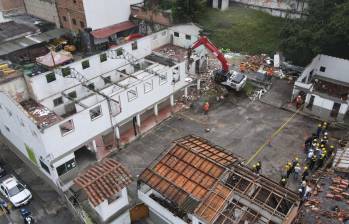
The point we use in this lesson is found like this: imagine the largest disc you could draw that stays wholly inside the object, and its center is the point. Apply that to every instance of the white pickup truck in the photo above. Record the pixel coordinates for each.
(14, 191)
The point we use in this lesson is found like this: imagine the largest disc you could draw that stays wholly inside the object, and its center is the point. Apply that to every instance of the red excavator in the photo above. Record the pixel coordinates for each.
(231, 79)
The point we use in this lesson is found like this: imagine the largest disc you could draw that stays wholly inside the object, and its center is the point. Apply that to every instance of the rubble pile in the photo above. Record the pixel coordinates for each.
(339, 189)
(254, 62)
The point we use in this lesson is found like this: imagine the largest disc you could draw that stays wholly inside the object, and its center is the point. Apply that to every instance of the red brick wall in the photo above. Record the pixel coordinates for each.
(6, 5)
(71, 14)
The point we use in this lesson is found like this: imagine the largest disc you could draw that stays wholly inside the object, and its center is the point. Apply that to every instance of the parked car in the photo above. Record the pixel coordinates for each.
(14, 191)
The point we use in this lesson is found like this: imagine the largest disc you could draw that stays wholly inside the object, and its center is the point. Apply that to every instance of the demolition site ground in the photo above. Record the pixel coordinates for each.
(236, 124)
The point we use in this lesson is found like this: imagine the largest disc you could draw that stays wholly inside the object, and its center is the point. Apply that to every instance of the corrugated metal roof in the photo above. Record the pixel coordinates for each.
(110, 30)
(341, 160)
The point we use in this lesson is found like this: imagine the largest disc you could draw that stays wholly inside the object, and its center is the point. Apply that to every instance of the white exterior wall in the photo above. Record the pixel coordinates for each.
(40, 89)
(23, 131)
(44, 9)
(106, 210)
(122, 219)
(197, 221)
(106, 12)
(159, 210)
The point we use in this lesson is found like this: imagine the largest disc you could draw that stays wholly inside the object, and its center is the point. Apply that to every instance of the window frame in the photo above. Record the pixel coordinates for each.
(119, 51)
(68, 132)
(61, 101)
(100, 112)
(53, 76)
(103, 57)
(188, 37)
(44, 166)
(161, 82)
(91, 84)
(71, 163)
(134, 45)
(66, 71)
(176, 34)
(151, 86)
(73, 94)
(82, 24)
(73, 20)
(107, 78)
(85, 64)
(130, 92)
(322, 69)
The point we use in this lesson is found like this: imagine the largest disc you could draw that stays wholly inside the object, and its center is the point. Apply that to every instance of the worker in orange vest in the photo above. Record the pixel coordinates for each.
(269, 74)
(206, 107)
(242, 67)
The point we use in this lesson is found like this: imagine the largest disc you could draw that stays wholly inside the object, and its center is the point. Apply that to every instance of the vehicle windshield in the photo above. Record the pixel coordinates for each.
(15, 190)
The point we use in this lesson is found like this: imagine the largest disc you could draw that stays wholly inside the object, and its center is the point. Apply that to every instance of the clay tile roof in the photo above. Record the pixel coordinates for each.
(189, 169)
(103, 181)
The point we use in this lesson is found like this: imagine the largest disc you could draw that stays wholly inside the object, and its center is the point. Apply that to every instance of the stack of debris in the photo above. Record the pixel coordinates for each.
(339, 189)
(254, 62)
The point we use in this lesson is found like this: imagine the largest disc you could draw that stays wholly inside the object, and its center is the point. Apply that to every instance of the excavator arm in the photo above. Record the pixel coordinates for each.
(215, 51)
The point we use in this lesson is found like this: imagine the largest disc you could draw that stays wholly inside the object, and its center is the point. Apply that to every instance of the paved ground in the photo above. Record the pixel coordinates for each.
(46, 205)
(238, 125)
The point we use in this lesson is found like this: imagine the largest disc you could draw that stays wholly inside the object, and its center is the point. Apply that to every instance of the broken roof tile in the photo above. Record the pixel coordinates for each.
(103, 181)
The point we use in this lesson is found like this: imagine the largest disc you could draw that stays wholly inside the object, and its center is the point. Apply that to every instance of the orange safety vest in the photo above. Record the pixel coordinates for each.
(206, 107)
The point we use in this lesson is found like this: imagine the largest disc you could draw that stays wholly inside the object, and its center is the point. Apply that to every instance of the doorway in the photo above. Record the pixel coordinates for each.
(335, 110)
(220, 4)
(311, 102)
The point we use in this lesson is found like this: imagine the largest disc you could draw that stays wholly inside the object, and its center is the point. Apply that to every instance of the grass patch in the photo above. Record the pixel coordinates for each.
(243, 30)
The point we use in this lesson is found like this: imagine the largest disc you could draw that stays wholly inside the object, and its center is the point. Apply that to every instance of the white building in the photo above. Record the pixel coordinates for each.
(324, 85)
(197, 182)
(105, 186)
(78, 113)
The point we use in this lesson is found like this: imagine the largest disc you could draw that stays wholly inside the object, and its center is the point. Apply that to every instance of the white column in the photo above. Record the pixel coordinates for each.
(138, 117)
(186, 92)
(156, 110)
(198, 84)
(172, 100)
(117, 133)
(94, 145)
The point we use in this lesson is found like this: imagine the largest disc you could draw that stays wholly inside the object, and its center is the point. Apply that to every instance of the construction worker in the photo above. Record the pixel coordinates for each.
(297, 171)
(305, 173)
(299, 101)
(283, 181)
(288, 169)
(294, 163)
(206, 107)
(312, 162)
(254, 168)
(258, 166)
(310, 155)
(330, 151)
(321, 160)
(324, 127)
(269, 74)
(242, 67)
(324, 140)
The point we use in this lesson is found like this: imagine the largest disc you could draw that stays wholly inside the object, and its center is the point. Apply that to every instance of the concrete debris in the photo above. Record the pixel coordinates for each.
(257, 94)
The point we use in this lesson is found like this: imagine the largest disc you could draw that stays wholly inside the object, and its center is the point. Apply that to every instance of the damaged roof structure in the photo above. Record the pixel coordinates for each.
(198, 181)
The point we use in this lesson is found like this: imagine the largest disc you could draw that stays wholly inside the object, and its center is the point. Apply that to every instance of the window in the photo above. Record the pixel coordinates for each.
(91, 86)
(64, 19)
(119, 51)
(85, 64)
(134, 45)
(188, 37)
(107, 79)
(58, 101)
(132, 94)
(64, 168)
(74, 1)
(175, 75)
(72, 94)
(44, 166)
(103, 57)
(66, 71)
(148, 86)
(162, 78)
(74, 21)
(322, 69)
(7, 128)
(176, 34)
(95, 113)
(82, 24)
(50, 77)
(66, 127)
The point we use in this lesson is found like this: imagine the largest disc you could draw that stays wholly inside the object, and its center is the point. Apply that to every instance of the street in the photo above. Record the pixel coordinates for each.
(46, 206)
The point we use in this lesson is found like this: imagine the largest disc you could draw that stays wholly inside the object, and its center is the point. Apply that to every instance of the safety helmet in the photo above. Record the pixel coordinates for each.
(319, 125)
(305, 168)
(332, 146)
(326, 133)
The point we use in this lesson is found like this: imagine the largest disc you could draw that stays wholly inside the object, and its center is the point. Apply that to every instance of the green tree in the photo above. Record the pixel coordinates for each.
(324, 31)
(187, 10)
